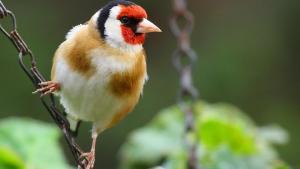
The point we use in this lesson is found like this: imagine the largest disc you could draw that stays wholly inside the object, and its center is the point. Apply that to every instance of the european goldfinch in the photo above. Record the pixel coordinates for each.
(99, 71)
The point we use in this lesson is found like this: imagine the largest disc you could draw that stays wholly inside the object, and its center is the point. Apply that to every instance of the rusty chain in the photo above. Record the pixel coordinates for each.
(36, 78)
(184, 58)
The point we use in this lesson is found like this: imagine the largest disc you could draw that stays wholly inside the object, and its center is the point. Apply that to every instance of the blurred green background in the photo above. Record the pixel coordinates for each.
(248, 56)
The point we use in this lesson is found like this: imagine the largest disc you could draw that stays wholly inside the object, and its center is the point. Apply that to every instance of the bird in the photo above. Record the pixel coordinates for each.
(99, 71)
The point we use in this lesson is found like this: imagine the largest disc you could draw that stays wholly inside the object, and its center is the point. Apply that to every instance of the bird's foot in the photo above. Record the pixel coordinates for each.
(89, 159)
(47, 88)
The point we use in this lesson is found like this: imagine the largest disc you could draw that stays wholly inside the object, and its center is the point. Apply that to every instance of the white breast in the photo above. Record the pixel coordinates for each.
(89, 99)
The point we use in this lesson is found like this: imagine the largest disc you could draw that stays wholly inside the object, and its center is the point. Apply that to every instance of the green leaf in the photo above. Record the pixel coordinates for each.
(223, 124)
(228, 139)
(36, 143)
(149, 145)
(10, 160)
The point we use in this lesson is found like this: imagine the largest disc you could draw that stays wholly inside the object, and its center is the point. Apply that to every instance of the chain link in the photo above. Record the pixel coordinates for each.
(36, 78)
(184, 57)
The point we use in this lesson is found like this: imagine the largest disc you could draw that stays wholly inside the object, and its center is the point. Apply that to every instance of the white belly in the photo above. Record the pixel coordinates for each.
(88, 98)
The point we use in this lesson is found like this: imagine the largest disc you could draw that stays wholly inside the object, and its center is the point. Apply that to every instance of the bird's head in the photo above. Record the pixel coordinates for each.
(123, 24)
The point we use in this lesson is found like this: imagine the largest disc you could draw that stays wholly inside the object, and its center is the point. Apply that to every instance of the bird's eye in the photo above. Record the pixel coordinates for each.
(124, 20)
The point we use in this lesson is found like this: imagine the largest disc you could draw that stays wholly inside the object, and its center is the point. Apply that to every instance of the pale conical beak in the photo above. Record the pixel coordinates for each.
(147, 27)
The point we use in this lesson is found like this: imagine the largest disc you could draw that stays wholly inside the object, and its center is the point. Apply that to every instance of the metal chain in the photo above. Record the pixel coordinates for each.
(184, 58)
(36, 78)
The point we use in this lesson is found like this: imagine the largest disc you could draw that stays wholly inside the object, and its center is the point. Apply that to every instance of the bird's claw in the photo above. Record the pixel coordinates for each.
(47, 88)
(88, 159)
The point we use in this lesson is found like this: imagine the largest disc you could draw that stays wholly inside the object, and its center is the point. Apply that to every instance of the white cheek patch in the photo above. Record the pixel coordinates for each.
(113, 27)
(114, 12)
(114, 35)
